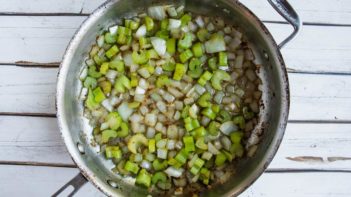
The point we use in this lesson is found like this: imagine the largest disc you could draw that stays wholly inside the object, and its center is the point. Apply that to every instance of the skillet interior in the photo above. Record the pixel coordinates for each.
(273, 115)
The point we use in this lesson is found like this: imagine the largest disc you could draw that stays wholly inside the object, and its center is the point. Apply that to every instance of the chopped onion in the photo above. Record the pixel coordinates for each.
(212, 149)
(206, 155)
(127, 58)
(226, 143)
(174, 172)
(161, 143)
(150, 132)
(139, 97)
(111, 74)
(172, 132)
(228, 127)
(157, 12)
(178, 105)
(124, 111)
(175, 92)
(176, 115)
(100, 40)
(161, 106)
(199, 21)
(141, 32)
(174, 24)
(145, 164)
(83, 94)
(218, 145)
(83, 73)
(199, 89)
(205, 120)
(168, 97)
(218, 97)
(159, 45)
(162, 153)
(170, 144)
(150, 119)
(139, 90)
(104, 126)
(113, 30)
(106, 103)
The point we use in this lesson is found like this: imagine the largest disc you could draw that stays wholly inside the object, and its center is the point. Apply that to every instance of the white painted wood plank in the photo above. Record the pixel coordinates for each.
(305, 146)
(322, 11)
(44, 181)
(44, 39)
(32, 140)
(313, 96)
(27, 89)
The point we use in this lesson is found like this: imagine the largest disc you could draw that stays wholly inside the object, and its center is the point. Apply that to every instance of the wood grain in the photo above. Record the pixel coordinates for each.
(44, 181)
(37, 141)
(43, 39)
(322, 11)
(313, 96)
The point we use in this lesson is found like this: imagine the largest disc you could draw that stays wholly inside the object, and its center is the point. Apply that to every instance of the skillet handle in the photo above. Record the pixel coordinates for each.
(77, 182)
(289, 14)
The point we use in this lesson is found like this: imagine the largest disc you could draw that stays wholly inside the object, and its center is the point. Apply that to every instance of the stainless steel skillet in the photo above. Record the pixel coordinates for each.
(76, 132)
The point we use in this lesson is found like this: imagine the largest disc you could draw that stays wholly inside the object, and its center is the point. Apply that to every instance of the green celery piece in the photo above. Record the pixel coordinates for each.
(247, 113)
(171, 46)
(159, 177)
(164, 24)
(212, 63)
(112, 51)
(204, 100)
(114, 120)
(131, 167)
(222, 59)
(199, 132)
(90, 82)
(186, 55)
(141, 58)
(133, 25)
(213, 128)
(186, 42)
(209, 113)
(220, 159)
(237, 149)
(104, 68)
(225, 115)
(229, 155)
(99, 95)
(202, 34)
(152, 54)
(169, 66)
(106, 86)
(143, 42)
(181, 157)
(218, 77)
(185, 111)
(180, 70)
(200, 143)
(143, 178)
(198, 49)
(162, 80)
(204, 78)
(189, 143)
(185, 19)
(236, 137)
(158, 165)
(113, 152)
(124, 131)
(239, 120)
(90, 102)
(110, 39)
(164, 34)
(149, 23)
(121, 83)
(152, 145)
(107, 134)
(93, 73)
(118, 65)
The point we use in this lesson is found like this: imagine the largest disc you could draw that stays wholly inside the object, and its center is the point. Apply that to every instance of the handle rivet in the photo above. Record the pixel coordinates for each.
(80, 148)
(112, 184)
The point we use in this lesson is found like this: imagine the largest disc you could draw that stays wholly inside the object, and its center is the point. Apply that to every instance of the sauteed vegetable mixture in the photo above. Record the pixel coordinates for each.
(173, 98)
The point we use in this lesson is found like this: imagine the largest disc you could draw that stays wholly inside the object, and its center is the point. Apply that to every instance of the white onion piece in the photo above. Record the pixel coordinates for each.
(193, 111)
(210, 27)
(179, 145)
(106, 103)
(143, 110)
(177, 115)
(172, 132)
(141, 32)
(150, 157)
(150, 132)
(161, 143)
(104, 126)
(228, 127)
(145, 164)
(138, 157)
(111, 74)
(136, 118)
(127, 58)
(100, 40)
(234, 44)
(206, 155)
(83, 73)
(218, 145)
(139, 90)
(83, 94)
(174, 24)
(168, 97)
(192, 26)
(174, 172)
(150, 119)
(170, 144)
(143, 83)
(212, 149)
(205, 120)
(157, 12)
(159, 45)
(226, 143)
(139, 97)
(124, 111)
(171, 11)
(178, 105)
(162, 153)
(239, 61)
(113, 30)
(199, 89)
(159, 127)
(175, 92)
(155, 97)
(218, 97)
(189, 101)
(199, 21)
(161, 106)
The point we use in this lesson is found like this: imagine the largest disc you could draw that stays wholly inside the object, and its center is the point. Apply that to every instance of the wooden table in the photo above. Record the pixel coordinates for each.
(313, 160)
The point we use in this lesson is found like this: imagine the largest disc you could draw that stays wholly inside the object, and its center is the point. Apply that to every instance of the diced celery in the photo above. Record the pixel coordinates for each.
(99, 95)
(179, 71)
